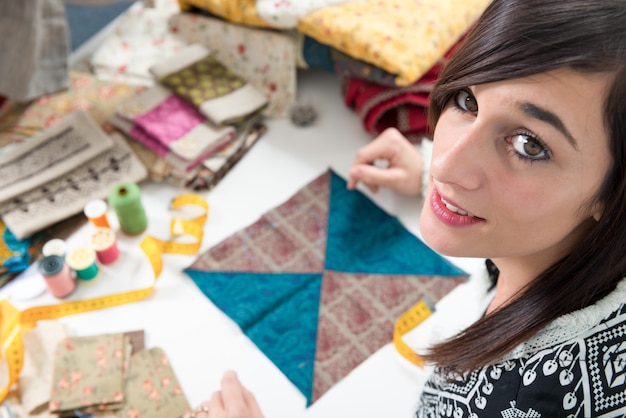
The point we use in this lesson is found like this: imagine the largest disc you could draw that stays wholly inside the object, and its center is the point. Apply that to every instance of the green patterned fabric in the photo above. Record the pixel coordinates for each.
(203, 80)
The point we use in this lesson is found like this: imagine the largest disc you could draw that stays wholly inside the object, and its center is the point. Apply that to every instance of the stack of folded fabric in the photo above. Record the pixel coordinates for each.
(56, 172)
(19, 124)
(200, 117)
(173, 128)
(99, 373)
(267, 59)
(105, 375)
(387, 53)
(144, 36)
(199, 78)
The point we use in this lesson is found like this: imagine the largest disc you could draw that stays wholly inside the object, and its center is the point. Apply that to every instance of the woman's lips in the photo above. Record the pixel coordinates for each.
(450, 213)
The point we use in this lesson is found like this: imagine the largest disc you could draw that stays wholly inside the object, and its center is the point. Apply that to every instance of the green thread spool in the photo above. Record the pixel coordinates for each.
(125, 198)
(82, 261)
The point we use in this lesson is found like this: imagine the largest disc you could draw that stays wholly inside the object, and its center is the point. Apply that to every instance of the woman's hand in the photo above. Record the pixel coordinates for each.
(404, 169)
(232, 401)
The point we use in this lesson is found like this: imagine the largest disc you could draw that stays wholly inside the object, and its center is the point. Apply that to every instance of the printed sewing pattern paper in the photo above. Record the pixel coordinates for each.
(67, 195)
(51, 153)
(318, 282)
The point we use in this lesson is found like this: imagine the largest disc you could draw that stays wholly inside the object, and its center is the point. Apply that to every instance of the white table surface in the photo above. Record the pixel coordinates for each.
(200, 341)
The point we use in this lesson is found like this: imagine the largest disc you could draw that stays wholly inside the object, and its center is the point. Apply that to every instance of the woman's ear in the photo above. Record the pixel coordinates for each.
(598, 209)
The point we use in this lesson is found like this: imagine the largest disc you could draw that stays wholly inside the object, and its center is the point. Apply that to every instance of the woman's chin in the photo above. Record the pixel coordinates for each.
(437, 238)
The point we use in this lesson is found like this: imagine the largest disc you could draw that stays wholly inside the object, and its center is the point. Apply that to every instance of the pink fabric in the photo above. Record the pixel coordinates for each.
(169, 120)
(143, 137)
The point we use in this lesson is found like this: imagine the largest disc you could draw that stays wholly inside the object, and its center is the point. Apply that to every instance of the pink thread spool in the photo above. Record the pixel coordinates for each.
(103, 242)
(57, 276)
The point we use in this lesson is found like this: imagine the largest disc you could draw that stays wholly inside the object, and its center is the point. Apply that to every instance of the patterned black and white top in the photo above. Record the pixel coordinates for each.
(575, 367)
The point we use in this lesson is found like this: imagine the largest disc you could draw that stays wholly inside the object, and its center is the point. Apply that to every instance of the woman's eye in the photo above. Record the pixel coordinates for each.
(529, 148)
(466, 101)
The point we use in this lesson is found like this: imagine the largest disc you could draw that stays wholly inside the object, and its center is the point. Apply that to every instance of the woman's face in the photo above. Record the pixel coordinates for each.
(515, 166)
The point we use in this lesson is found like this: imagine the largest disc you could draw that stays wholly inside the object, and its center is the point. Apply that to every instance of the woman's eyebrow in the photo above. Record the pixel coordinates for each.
(546, 116)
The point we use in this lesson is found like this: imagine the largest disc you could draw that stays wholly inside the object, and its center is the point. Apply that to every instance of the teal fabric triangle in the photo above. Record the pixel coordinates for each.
(362, 238)
(277, 311)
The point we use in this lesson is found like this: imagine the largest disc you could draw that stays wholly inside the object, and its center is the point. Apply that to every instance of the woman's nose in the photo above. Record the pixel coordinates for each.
(460, 158)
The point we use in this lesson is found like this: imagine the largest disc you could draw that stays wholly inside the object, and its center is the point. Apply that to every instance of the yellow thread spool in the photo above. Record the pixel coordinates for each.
(83, 262)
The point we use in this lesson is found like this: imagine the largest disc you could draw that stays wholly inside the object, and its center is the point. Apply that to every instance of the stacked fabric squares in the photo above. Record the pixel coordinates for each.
(89, 374)
(112, 375)
(171, 127)
(200, 118)
(199, 78)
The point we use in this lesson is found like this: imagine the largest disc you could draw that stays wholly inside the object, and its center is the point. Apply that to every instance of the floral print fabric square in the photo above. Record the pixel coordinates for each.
(89, 373)
(152, 389)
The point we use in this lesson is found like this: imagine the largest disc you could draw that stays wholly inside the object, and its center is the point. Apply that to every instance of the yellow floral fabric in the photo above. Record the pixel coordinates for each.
(237, 11)
(403, 37)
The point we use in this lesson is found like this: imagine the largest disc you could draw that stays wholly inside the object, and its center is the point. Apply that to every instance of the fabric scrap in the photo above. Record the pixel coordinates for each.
(347, 68)
(141, 38)
(39, 356)
(38, 63)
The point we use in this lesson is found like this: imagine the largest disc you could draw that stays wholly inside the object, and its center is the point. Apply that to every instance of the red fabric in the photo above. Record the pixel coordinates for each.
(381, 107)
(404, 108)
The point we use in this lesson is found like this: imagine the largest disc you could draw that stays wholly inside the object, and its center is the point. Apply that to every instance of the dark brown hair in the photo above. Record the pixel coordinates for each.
(519, 38)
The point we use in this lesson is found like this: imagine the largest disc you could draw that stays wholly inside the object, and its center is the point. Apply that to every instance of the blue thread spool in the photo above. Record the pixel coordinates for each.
(57, 276)
(125, 198)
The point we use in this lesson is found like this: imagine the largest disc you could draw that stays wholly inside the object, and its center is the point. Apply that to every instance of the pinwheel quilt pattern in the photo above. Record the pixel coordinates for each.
(318, 282)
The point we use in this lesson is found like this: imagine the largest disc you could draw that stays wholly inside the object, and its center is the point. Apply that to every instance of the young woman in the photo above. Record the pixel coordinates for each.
(529, 172)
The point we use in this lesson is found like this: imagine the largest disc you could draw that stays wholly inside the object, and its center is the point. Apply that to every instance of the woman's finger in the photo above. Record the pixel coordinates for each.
(252, 404)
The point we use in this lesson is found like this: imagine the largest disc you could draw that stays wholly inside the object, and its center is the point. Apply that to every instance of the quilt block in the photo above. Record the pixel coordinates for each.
(318, 282)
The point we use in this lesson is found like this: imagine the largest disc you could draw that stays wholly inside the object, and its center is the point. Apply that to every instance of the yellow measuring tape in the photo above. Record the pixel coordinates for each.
(13, 323)
(154, 247)
(414, 316)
